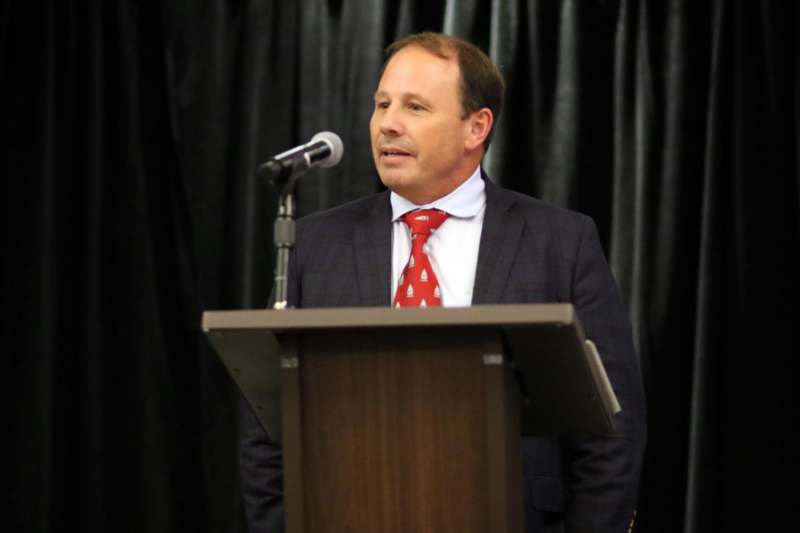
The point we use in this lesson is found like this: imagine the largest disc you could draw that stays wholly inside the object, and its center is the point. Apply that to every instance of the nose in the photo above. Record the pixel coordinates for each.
(390, 122)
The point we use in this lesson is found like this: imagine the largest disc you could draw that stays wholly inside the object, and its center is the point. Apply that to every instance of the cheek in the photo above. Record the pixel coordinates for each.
(440, 139)
(374, 125)
(372, 128)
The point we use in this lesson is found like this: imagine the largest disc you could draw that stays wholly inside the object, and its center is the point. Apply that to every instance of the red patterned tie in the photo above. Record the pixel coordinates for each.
(418, 286)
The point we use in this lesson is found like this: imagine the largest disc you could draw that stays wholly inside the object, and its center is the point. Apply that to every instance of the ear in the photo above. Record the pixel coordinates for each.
(479, 124)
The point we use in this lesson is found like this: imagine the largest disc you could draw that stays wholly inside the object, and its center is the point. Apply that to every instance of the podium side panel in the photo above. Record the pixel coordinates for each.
(252, 359)
(562, 395)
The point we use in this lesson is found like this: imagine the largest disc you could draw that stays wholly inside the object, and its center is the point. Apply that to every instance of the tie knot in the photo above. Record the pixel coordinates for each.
(424, 221)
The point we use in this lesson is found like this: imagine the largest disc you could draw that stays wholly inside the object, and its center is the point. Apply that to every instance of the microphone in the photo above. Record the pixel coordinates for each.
(324, 149)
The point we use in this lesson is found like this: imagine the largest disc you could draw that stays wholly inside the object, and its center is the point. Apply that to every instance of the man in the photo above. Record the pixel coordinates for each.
(435, 107)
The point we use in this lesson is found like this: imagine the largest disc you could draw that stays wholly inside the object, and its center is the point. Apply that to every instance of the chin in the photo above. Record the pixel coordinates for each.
(391, 180)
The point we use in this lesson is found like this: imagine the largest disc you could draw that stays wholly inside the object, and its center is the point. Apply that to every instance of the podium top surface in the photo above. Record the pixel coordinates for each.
(360, 317)
(565, 386)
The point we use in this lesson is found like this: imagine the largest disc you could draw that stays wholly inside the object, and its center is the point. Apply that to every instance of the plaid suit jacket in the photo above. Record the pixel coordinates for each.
(530, 252)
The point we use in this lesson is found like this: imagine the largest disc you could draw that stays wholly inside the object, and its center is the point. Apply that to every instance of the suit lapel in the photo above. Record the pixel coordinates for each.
(500, 238)
(373, 254)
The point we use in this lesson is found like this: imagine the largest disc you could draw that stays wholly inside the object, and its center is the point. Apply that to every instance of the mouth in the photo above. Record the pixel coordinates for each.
(391, 153)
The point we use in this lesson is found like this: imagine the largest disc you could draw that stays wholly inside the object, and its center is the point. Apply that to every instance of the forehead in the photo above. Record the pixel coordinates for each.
(414, 69)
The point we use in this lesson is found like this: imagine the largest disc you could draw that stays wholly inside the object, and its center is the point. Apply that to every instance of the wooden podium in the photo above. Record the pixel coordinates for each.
(409, 420)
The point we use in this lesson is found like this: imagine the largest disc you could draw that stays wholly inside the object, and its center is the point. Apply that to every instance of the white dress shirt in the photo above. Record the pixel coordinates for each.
(453, 248)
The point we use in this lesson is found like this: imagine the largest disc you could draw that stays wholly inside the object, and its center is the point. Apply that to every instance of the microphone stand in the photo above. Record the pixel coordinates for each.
(284, 176)
(284, 242)
(284, 170)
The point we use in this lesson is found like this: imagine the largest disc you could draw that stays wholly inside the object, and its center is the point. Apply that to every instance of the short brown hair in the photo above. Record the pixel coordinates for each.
(481, 82)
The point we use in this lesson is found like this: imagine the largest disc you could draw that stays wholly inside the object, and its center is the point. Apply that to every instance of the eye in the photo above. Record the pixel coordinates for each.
(413, 106)
(381, 104)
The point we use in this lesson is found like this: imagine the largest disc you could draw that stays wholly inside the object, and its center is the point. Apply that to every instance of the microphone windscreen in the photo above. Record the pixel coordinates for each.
(337, 148)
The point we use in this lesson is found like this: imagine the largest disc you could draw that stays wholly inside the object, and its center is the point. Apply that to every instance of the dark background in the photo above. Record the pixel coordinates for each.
(130, 134)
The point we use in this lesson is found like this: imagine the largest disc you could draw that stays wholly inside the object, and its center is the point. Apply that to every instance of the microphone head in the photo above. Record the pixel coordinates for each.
(335, 143)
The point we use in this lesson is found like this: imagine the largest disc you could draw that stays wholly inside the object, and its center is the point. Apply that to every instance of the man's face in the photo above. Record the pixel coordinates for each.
(417, 131)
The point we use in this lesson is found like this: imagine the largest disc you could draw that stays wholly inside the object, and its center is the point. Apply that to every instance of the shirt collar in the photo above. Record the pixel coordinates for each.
(464, 202)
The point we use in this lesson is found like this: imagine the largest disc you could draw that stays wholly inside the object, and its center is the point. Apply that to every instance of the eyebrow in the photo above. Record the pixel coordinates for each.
(404, 96)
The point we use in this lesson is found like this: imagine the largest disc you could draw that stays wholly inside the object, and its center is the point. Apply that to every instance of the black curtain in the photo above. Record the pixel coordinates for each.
(131, 133)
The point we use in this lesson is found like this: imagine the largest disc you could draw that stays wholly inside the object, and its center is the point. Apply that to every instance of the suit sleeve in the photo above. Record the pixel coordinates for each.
(261, 473)
(604, 470)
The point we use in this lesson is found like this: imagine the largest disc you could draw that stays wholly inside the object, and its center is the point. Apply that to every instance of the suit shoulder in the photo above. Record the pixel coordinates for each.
(345, 214)
(543, 212)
